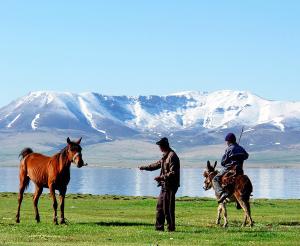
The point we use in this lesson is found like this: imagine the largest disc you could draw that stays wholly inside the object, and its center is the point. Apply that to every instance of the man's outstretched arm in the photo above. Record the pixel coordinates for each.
(151, 167)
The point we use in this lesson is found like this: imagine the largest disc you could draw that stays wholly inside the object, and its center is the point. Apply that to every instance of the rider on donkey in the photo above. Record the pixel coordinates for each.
(235, 155)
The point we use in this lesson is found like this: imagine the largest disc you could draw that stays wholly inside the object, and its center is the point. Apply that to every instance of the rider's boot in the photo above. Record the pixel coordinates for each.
(223, 196)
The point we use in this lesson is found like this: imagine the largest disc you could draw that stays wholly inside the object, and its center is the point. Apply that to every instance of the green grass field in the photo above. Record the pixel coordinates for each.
(109, 220)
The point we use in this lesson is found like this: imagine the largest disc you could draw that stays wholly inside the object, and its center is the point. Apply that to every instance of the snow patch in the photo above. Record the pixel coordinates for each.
(89, 116)
(278, 123)
(34, 123)
(13, 121)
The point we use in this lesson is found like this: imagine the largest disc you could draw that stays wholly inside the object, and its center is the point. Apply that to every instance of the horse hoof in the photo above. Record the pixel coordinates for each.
(55, 222)
(217, 222)
(63, 222)
(17, 220)
(225, 225)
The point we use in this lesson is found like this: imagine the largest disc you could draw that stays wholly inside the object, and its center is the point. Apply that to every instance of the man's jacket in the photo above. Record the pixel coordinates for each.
(170, 169)
(234, 155)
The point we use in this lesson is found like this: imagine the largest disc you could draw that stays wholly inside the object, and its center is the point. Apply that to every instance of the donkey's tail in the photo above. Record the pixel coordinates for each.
(25, 152)
(247, 189)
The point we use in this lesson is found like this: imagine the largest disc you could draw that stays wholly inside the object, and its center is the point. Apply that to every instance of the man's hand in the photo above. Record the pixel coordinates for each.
(159, 178)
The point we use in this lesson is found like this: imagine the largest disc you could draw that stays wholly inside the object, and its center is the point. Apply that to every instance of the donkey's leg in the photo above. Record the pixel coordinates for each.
(62, 206)
(225, 215)
(219, 214)
(244, 206)
(249, 213)
(37, 194)
(24, 180)
(52, 194)
(245, 220)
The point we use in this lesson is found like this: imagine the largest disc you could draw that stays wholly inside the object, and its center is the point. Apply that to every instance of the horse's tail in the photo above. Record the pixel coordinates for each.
(25, 152)
(24, 178)
(26, 182)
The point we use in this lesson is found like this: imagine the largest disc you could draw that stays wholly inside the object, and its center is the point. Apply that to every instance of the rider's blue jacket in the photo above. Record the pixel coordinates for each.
(234, 155)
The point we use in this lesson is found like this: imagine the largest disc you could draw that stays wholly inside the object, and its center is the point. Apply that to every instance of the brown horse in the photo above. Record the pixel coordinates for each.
(48, 172)
(241, 190)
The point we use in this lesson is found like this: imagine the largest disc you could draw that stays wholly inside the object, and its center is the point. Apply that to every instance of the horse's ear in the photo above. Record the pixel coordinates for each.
(215, 164)
(79, 140)
(68, 140)
(208, 165)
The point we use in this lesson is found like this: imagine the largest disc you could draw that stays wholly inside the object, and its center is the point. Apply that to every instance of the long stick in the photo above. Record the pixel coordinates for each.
(241, 135)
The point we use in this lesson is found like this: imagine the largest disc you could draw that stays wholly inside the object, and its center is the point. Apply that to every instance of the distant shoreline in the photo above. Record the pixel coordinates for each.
(188, 166)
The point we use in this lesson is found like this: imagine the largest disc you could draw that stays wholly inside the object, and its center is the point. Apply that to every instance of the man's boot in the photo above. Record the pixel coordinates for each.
(223, 196)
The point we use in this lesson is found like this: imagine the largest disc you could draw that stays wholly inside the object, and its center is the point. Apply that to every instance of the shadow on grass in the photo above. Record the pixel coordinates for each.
(116, 223)
(290, 223)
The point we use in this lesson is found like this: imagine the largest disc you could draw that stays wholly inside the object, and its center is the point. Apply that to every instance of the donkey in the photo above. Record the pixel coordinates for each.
(48, 172)
(239, 185)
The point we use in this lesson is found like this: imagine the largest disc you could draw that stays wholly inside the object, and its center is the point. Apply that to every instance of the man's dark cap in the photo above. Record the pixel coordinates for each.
(230, 137)
(163, 142)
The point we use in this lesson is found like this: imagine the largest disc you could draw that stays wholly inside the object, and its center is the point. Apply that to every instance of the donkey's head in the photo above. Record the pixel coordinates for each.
(74, 152)
(209, 174)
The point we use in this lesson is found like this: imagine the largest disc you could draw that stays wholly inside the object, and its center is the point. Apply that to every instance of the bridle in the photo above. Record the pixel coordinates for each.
(209, 176)
(75, 156)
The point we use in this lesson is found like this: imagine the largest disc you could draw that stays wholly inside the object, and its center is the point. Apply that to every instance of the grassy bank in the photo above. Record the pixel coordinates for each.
(102, 220)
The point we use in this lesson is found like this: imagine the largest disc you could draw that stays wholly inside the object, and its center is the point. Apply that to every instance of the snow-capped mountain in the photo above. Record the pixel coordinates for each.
(190, 117)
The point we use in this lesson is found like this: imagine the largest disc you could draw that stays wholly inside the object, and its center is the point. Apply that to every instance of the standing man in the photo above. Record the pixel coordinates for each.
(234, 155)
(169, 180)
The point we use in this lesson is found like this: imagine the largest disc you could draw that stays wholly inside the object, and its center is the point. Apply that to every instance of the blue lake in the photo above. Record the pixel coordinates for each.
(267, 182)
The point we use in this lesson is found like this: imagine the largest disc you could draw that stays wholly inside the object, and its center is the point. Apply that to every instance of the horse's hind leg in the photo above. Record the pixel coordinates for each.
(37, 194)
(24, 181)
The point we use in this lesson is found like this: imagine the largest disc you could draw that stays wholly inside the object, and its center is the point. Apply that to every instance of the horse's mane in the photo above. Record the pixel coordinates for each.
(62, 153)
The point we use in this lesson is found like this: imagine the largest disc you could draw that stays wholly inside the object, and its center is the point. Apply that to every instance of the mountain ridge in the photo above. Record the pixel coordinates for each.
(191, 120)
(177, 111)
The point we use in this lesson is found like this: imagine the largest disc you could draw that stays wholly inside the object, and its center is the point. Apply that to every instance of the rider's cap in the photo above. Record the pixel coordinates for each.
(163, 142)
(230, 137)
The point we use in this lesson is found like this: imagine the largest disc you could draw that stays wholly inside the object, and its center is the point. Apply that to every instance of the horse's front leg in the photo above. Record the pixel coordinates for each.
(52, 194)
(62, 206)
(219, 214)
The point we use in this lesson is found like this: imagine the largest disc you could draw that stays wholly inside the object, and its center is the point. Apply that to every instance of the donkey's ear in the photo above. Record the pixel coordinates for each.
(68, 140)
(208, 165)
(79, 140)
(215, 164)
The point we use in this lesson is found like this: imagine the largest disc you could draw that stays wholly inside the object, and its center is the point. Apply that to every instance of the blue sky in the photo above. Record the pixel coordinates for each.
(150, 47)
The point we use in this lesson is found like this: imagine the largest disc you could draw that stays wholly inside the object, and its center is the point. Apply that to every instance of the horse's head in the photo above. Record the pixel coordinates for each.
(74, 152)
(209, 174)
